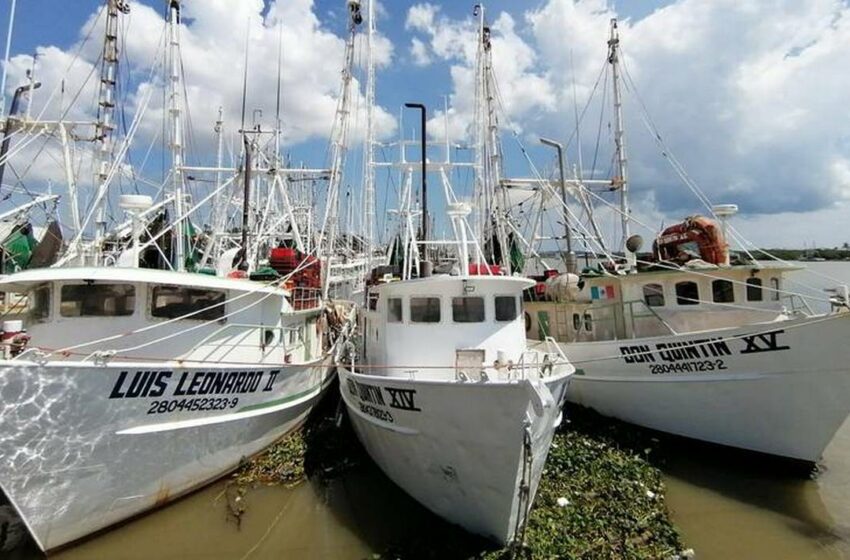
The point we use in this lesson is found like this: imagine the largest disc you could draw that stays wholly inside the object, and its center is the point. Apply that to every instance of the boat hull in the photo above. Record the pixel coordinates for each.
(85, 446)
(458, 448)
(780, 388)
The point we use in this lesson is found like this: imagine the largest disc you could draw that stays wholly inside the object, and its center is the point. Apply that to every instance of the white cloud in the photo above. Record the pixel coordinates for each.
(213, 43)
(421, 17)
(419, 52)
(748, 95)
(523, 91)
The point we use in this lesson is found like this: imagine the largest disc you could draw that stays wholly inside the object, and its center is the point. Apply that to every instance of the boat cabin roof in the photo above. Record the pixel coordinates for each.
(446, 281)
(26, 280)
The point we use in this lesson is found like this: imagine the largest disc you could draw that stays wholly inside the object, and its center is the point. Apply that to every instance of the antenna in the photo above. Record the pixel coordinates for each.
(245, 69)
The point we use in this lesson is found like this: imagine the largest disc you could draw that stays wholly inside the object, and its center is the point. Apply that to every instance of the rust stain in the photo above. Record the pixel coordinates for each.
(162, 496)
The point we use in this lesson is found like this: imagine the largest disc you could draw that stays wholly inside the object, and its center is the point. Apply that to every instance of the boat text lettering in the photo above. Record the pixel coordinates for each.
(672, 352)
(146, 384)
(763, 342)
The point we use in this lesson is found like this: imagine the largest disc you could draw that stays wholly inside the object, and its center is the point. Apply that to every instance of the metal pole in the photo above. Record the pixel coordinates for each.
(570, 256)
(246, 202)
(6, 58)
(179, 227)
(7, 131)
(421, 108)
(622, 181)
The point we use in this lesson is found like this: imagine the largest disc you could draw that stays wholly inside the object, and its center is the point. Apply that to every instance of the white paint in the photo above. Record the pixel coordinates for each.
(457, 444)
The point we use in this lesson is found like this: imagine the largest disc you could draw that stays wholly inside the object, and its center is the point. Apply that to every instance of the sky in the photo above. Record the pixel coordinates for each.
(748, 96)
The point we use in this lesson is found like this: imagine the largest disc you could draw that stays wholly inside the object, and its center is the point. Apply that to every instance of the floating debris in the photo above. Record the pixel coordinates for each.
(600, 497)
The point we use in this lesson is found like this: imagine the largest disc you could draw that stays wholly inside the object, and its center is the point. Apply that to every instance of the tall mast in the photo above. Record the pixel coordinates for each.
(339, 140)
(105, 110)
(488, 152)
(622, 179)
(174, 96)
(480, 195)
(369, 169)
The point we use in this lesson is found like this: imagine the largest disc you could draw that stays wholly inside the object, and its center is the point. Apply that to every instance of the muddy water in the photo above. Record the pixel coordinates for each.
(727, 504)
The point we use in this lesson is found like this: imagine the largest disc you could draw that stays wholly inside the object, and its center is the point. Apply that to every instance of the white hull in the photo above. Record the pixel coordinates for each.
(80, 454)
(460, 453)
(781, 388)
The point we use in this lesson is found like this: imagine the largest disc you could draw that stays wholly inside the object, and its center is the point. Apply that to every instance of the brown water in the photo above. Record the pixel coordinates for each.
(728, 505)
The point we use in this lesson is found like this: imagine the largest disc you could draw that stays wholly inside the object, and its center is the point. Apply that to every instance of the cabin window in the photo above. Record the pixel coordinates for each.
(723, 291)
(425, 310)
(754, 289)
(588, 322)
(774, 284)
(394, 310)
(687, 293)
(506, 308)
(653, 295)
(468, 309)
(39, 304)
(373, 301)
(97, 300)
(576, 322)
(171, 302)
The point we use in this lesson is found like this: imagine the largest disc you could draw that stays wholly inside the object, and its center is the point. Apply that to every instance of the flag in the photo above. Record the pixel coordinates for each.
(602, 292)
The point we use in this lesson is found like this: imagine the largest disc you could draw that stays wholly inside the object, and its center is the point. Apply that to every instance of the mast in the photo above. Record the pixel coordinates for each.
(369, 168)
(488, 151)
(339, 145)
(620, 182)
(483, 202)
(174, 96)
(105, 110)
(339, 140)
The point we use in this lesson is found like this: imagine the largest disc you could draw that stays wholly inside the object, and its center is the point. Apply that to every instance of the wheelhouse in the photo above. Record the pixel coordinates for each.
(429, 322)
(154, 314)
(652, 303)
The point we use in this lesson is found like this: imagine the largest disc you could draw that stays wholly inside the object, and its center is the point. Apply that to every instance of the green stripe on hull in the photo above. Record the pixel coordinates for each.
(278, 401)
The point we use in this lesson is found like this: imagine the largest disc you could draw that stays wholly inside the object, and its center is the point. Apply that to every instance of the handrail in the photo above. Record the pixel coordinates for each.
(652, 312)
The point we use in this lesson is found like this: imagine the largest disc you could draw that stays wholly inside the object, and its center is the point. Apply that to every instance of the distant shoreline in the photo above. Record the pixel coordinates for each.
(823, 254)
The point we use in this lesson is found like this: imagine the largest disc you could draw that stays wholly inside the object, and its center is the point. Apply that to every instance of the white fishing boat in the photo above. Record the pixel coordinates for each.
(689, 338)
(132, 387)
(444, 394)
(154, 357)
(450, 403)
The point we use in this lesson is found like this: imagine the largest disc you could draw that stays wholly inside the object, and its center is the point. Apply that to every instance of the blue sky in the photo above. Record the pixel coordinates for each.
(747, 97)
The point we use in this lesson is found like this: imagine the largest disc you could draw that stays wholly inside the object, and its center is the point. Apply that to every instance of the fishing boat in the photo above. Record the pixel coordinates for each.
(444, 394)
(154, 357)
(98, 427)
(690, 338)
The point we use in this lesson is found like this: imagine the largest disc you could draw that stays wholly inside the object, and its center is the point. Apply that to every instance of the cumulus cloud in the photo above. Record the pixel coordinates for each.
(213, 36)
(213, 44)
(524, 92)
(747, 95)
(419, 52)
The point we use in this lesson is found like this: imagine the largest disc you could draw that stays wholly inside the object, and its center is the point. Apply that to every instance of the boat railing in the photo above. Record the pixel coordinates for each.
(269, 336)
(796, 303)
(644, 315)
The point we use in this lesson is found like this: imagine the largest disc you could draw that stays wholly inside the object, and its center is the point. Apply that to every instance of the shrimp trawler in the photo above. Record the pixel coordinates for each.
(688, 338)
(443, 393)
(153, 357)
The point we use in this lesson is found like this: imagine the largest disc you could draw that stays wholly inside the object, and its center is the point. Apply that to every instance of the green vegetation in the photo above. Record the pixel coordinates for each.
(600, 497)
